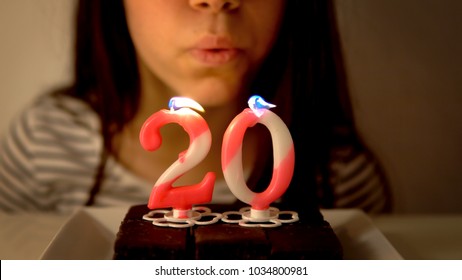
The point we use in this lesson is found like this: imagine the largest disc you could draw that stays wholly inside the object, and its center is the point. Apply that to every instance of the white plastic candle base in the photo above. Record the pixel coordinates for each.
(265, 215)
(180, 218)
(250, 217)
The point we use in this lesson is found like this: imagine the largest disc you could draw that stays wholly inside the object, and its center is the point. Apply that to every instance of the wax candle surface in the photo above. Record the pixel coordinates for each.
(283, 154)
(164, 194)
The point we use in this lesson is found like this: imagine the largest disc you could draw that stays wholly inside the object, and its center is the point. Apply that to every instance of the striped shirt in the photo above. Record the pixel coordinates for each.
(50, 157)
(358, 181)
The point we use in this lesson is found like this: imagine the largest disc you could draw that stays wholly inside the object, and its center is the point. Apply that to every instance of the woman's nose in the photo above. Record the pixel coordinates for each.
(215, 6)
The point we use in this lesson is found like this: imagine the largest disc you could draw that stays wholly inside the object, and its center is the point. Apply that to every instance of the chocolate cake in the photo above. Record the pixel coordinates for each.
(140, 239)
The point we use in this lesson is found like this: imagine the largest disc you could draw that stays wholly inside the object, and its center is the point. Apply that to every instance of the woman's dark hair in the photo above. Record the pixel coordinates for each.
(307, 51)
(106, 73)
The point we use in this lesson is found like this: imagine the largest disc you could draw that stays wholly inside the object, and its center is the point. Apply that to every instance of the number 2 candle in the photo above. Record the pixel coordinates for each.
(164, 194)
(283, 155)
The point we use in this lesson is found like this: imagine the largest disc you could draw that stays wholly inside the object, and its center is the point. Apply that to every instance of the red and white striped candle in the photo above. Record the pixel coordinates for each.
(283, 155)
(164, 194)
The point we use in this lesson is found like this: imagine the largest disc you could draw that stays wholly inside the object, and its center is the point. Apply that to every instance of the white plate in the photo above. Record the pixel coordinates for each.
(90, 234)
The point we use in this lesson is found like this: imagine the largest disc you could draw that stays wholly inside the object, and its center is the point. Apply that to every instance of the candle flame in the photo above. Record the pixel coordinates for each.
(259, 105)
(177, 103)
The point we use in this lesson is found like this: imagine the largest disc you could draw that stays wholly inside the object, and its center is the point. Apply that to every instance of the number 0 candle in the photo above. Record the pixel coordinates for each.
(283, 154)
(164, 194)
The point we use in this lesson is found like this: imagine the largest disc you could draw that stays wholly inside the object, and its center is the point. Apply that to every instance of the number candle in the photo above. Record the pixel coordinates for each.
(163, 193)
(283, 151)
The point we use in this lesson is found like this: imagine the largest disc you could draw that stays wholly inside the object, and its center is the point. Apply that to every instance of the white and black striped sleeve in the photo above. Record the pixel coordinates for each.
(50, 149)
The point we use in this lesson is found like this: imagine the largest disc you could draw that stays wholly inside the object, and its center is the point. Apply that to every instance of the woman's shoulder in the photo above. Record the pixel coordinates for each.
(52, 147)
(54, 122)
(59, 108)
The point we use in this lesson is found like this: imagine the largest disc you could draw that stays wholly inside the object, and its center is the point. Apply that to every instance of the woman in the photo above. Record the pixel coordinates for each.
(80, 145)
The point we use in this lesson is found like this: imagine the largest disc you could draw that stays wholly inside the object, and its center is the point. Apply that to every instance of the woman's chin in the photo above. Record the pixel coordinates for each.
(212, 93)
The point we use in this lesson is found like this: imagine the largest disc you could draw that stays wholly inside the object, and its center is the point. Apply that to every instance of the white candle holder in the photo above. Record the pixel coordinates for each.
(259, 218)
(178, 218)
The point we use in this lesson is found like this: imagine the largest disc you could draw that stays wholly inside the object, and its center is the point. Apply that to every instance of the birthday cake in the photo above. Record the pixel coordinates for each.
(257, 231)
(138, 238)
